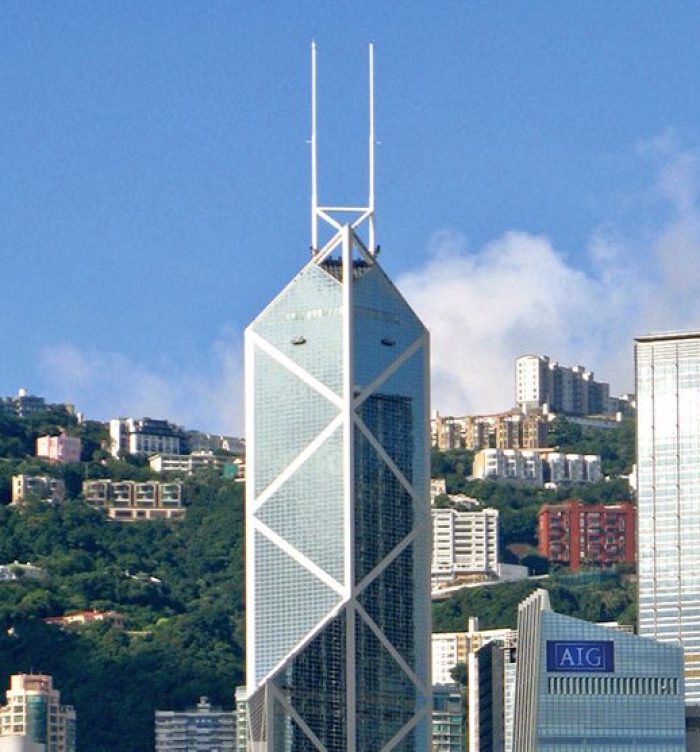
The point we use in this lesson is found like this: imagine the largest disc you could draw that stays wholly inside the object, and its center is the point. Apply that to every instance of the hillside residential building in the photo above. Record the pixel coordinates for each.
(131, 501)
(465, 545)
(34, 710)
(448, 719)
(536, 467)
(197, 441)
(19, 571)
(583, 686)
(62, 450)
(145, 436)
(509, 430)
(187, 464)
(541, 382)
(202, 729)
(575, 534)
(37, 486)
(509, 464)
(83, 618)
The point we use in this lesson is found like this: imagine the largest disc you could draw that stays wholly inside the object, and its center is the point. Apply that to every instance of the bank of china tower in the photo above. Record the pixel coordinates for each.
(337, 514)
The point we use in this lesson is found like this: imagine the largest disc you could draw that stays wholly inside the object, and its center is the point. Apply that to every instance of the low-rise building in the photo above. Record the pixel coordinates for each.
(198, 441)
(573, 468)
(187, 464)
(63, 449)
(203, 728)
(83, 618)
(19, 571)
(575, 534)
(132, 501)
(34, 711)
(536, 466)
(38, 486)
(145, 436)
(465, 545)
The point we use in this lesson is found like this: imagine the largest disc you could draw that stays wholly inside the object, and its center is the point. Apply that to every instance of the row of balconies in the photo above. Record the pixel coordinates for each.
(126, 494)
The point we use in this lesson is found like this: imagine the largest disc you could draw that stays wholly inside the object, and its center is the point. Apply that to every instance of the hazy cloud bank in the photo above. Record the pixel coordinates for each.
(519, 294)
(205, 395)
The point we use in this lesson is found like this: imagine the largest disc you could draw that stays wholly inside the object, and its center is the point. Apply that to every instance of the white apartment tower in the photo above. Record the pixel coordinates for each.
(337, 506)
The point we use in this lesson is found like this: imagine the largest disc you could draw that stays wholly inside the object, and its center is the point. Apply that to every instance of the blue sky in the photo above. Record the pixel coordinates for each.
(536, 185)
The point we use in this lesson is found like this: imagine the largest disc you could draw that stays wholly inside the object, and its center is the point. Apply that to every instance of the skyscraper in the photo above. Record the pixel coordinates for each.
(337, 512)
(668, 468)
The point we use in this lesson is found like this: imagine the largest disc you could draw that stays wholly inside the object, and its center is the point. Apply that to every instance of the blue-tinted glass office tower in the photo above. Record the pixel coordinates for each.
(338, 522)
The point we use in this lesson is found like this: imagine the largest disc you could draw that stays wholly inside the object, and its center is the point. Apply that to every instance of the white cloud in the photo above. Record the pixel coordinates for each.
(206, 396)
(519, 294)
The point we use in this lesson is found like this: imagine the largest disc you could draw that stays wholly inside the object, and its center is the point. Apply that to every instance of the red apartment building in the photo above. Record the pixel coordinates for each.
(574, 533)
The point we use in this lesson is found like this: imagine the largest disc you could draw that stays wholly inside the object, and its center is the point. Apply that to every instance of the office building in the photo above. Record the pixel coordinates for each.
(338, 516)
(131, 501)
(575, 534)
(448, 719)
(34, 711)
(203, 728)
(62, 450)
(37, 486)
(465, 545)
(582, 686)
(492, 672)
(668, 494)
(541, 382)
(145, 436)
(19, 743)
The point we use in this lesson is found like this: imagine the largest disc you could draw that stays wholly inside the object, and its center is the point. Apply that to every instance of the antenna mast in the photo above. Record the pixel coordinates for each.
(336, 216)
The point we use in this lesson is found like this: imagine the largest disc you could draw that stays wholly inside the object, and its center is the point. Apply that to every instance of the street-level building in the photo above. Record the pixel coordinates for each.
(203, 728)
(582, 686)
(34, 710)
(448, 718)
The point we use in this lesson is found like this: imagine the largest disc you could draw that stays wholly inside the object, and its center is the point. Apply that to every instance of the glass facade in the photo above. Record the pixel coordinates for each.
(668, 467)
(338, 538)
(582, 686)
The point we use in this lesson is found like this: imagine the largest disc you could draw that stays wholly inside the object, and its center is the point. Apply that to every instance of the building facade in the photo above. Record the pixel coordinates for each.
(448, 719)
(574, 533)
(338, 517)
(464, 544)
(581, 686)
(62, 450)
(132, 501)
(145, 436)
(201, 729)
(541, 382)
(38, 486)
(188, 464)
(509, 464)
(668, 494)
(34, 711)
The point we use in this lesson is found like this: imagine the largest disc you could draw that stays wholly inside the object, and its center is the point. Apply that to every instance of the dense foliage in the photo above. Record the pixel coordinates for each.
(179, 585)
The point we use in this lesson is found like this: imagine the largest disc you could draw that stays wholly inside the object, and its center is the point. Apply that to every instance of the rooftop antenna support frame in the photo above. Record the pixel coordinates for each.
(325, 213)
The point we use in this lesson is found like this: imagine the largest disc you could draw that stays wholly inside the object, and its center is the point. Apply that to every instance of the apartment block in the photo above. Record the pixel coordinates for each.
(512, 429)
(131, 501)
(508, 464)
(203, 728)
(145, 436)
(34, 711)
(38, 486)
(198, 441)
(465, 545)
(573, 468)
(62, 450)
(188, 464)
(575, 534)
(448, 719)
(543, 383)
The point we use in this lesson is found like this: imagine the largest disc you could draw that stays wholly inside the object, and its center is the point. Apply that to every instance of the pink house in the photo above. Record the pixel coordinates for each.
(61, 449)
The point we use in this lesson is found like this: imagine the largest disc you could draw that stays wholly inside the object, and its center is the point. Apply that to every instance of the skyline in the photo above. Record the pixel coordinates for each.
(534, 163)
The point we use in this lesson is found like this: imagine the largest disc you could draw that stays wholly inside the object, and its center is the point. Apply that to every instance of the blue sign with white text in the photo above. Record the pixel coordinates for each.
(590, 656)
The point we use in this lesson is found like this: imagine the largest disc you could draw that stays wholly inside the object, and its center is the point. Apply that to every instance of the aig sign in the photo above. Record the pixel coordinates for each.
(581, 656)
